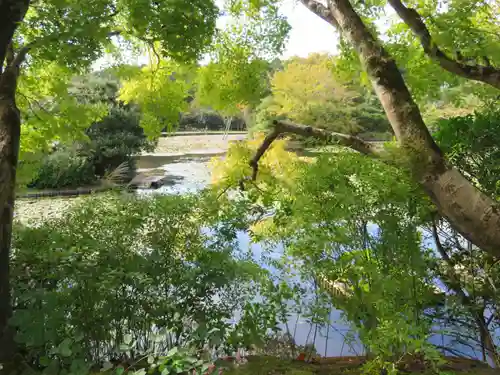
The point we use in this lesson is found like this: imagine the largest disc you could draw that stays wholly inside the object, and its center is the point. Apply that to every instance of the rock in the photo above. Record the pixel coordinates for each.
(142, 181)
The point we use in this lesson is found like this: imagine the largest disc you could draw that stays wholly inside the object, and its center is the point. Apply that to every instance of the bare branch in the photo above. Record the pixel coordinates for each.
(254, 163)
(476, 72)
(287, 127)
(346, 140)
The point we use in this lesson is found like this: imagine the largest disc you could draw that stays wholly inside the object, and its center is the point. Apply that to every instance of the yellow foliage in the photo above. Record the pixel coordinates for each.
(276, 163)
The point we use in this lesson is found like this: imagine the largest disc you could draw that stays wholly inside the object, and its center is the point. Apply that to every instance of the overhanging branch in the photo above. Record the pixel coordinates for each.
(287, 127)
(477, 72)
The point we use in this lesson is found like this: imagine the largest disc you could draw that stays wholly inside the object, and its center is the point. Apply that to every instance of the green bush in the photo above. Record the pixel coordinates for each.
(116, 139)
(119, 276)
(64, 168)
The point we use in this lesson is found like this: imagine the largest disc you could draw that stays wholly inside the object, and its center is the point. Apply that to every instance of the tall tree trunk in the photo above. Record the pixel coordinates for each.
(472, 213)
(12, 13)
(9, 150)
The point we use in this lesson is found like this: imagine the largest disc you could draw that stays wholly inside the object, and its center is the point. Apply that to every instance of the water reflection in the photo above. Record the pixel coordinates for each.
(330, 341)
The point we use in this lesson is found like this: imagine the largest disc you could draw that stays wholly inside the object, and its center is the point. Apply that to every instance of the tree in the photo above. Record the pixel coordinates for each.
(72, 34)
(309, 92)
(471, 212)
(116, 137)
(237, 77)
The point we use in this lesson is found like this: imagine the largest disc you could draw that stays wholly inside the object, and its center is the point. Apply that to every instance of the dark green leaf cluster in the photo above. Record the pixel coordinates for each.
(472, 143)
(64, 168)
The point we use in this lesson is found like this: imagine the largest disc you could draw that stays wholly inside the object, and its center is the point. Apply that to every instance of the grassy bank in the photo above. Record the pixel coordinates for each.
(266, 365)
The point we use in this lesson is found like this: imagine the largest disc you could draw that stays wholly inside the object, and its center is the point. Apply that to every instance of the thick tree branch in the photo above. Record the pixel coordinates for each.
(8, 79)
(472, 213)
(21, 56)
(254, 163)
(482, 73)
(9, 57)
(287, 127)
(320, 10)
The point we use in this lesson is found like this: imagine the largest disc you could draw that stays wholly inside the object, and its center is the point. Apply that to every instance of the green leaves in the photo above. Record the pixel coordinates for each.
(230, 85)
(349, 226)
(126, 276)
(160, 95)
(310, 91)
(236, 76)
(75, 33)
(471, 144)
(183, 29)
(64, 348)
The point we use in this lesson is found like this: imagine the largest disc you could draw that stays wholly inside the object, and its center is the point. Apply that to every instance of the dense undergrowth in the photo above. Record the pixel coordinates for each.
(162, 284)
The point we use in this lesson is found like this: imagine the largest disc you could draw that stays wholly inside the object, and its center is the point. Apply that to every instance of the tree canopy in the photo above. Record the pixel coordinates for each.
(310, 92)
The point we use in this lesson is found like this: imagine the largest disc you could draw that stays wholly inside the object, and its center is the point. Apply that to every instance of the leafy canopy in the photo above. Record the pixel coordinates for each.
(160, 92)
(237, 74)
(65, 37)
(466, 29)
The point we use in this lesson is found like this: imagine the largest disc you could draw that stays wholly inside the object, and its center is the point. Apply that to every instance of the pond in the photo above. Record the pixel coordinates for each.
(190, 171)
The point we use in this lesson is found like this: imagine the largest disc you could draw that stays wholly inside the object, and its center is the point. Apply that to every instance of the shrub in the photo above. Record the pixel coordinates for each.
(64, 168)
(123, 270)
(116, 139)
(118, 136)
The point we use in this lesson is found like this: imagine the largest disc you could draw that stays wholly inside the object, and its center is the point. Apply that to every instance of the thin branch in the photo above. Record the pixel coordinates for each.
(40, 105)
(287, 127)
(30, 106)
(114, 33)
(15, 63)
(254, 163)
(454, 352)
(477, 72)
(454, 284)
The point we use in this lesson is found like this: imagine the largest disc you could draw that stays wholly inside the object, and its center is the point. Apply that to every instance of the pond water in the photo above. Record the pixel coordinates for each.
(192, 173)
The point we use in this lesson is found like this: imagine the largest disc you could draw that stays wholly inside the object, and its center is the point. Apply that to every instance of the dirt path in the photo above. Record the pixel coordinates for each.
(199, 143)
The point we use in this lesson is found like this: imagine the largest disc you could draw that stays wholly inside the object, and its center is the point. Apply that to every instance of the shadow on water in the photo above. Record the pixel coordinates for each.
(336, 340)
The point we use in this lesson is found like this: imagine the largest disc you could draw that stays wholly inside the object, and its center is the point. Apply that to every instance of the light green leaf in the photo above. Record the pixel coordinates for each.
(173, 351)
(106, 366)
(127, 339)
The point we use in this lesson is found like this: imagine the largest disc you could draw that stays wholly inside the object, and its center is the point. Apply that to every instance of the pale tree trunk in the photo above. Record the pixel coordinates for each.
(469, 211)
